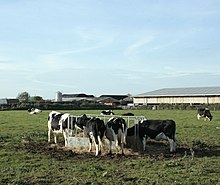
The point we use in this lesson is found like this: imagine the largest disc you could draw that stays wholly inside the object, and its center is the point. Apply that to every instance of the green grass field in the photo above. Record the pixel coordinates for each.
(26, 158)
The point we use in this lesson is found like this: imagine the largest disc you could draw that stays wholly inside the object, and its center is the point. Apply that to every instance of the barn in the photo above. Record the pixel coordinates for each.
(188, 95)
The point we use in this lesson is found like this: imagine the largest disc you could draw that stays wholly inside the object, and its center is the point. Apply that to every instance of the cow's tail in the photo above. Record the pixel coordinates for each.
(123, 133)
(174, 133)
(98, 135)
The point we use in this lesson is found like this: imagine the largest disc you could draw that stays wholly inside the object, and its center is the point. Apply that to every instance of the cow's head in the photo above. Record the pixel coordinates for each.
(81, 121)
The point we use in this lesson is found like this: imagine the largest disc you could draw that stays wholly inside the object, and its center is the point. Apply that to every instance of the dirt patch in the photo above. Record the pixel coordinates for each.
(154, 150)
(61, 153)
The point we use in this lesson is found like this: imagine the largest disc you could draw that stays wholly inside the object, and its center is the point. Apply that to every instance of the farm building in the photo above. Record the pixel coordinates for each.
(8, 101)
(103, 99)
(190, 95)
(112, 100)
(73, 97)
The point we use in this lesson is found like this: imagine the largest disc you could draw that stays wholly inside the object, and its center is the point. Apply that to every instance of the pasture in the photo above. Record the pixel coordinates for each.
(26, 158)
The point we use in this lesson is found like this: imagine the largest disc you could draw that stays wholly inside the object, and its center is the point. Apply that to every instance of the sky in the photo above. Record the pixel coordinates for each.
(107, 46)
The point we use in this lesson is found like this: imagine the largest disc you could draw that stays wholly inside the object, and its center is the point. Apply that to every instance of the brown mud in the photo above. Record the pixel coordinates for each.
(155, 150)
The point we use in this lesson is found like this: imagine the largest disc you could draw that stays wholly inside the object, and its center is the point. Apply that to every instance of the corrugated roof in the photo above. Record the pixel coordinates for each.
(188, 91)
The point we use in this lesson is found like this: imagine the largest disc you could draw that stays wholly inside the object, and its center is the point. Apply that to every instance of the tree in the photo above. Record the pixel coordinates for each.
(36, 98)
(23, 97)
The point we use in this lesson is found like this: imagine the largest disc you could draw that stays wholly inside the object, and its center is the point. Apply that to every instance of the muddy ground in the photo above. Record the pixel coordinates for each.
(156, 150)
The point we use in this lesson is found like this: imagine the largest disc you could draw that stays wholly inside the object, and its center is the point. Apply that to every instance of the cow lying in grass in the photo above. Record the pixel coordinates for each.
(204, 113)
(34, 111)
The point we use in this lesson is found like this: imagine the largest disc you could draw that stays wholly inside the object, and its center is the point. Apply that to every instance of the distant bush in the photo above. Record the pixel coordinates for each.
(96, 106)
(55, 106)
(182, 106)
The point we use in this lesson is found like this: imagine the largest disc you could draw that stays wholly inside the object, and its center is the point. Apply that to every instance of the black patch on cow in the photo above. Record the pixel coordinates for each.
(107, 112)
(152, 128)
(128, 114)
(97, 127)
(81, 121)
(116, 124)
(204, 112)
(55, 121)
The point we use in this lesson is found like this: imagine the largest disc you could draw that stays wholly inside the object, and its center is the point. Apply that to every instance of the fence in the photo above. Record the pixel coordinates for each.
(77, 139)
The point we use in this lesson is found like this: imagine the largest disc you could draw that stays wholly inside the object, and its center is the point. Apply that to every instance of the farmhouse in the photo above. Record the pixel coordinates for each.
(73, 97)
(190, 95)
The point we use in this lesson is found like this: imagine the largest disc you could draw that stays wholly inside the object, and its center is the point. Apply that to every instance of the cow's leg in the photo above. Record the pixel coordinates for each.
(144, 143)
(90, 144)
(110, 147)
(96, 146)
(172, 145)
(55, 138)
(65, 132)
(100, 144)
(122, 141)
(116, 142)
(48, 135)
(91, 139)
(122, 147)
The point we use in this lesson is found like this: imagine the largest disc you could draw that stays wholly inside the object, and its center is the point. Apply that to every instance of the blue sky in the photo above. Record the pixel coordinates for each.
(107, 46)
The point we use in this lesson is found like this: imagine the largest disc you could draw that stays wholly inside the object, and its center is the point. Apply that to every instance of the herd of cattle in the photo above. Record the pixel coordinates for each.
(115, 130)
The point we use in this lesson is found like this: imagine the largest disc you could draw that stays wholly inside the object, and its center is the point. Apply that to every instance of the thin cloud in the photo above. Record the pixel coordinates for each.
(54, 84)
(162, 46)
(133, 48)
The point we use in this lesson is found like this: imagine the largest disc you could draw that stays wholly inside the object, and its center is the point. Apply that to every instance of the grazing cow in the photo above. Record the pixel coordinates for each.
(107, 112)
(128, 114)
(204, 113)
(58, 124)
(95, 130)
(34, 110)
(116, 130)
(156, 129)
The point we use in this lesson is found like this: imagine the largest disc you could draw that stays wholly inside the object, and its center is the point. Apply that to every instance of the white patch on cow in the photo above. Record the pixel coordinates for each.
(119, 139)
(202, 116)
(160, 136)
(65, 135)
(198, 116)
(172, 145)
(63, 118)
(110, 119)
(93, 140)
(49, 127)
(110, 134)
(97, 145)
(96, 149)
(100, 143)
(35, 111)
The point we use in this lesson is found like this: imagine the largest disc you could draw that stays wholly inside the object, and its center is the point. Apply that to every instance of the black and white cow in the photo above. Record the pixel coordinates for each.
(58, 124)
(34, 110)
(156, 129)
(204, 113)
(128, 114)
(107, 112)
(95, 130)
(116, 130)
